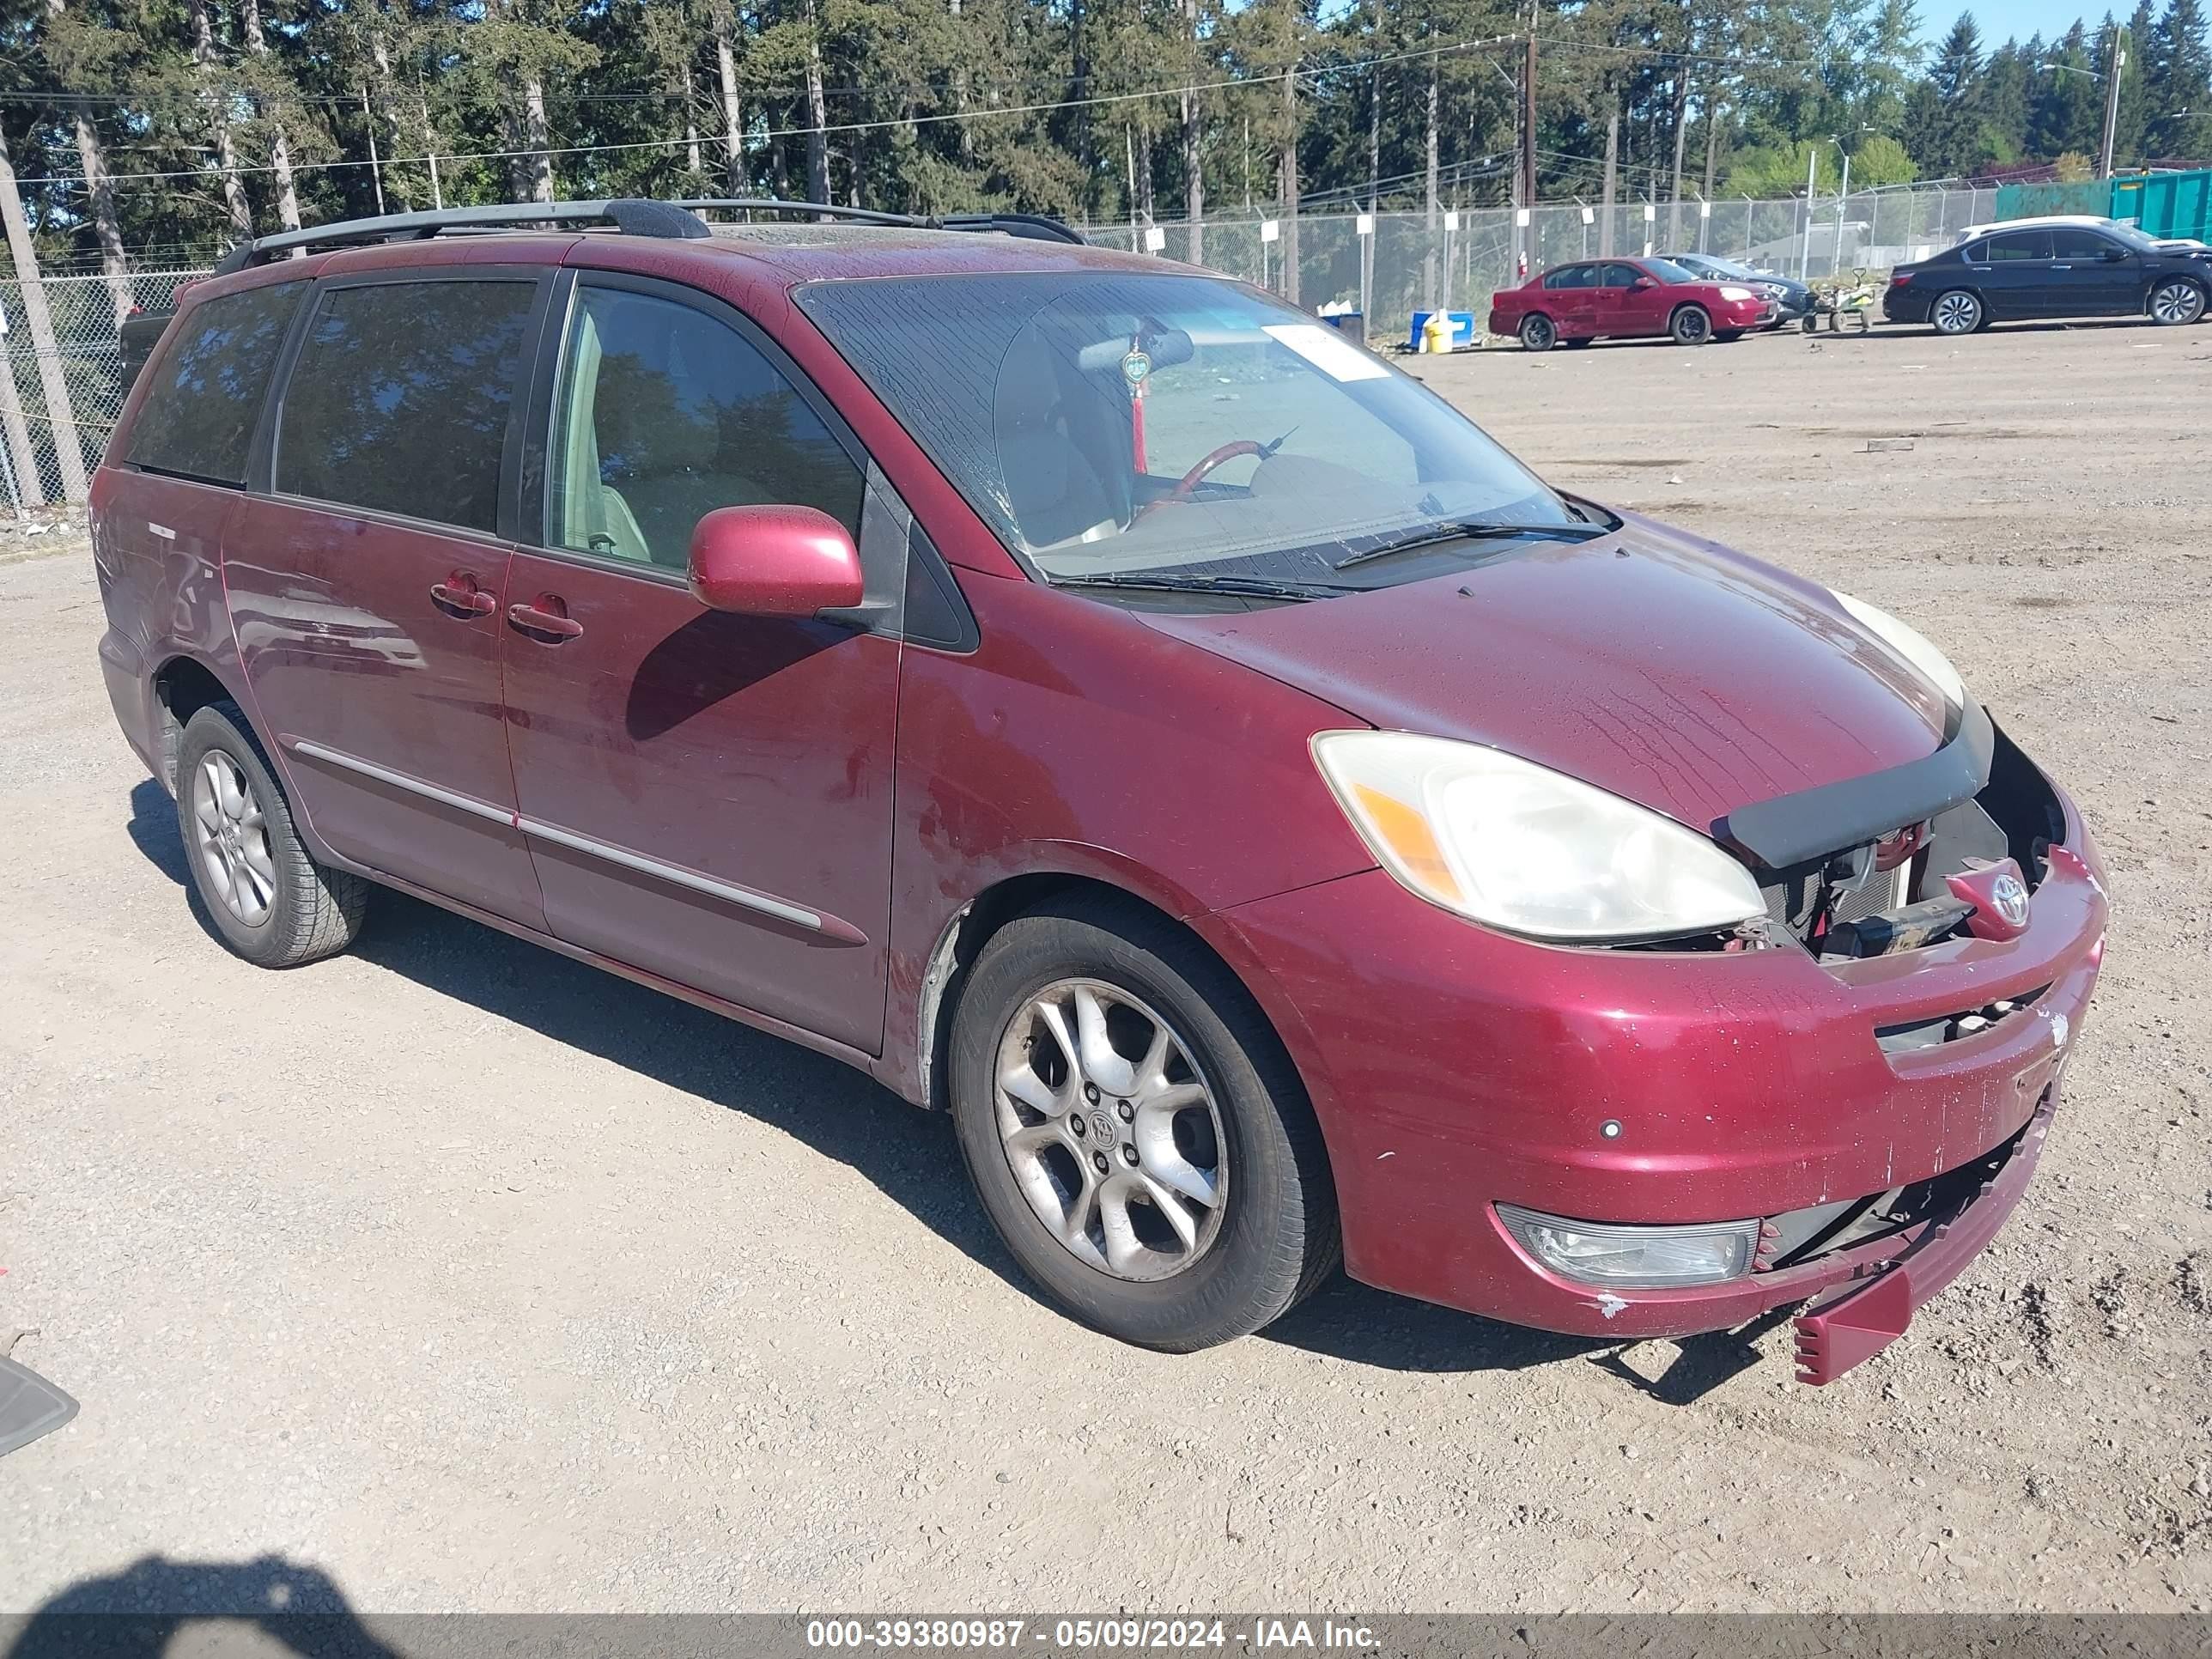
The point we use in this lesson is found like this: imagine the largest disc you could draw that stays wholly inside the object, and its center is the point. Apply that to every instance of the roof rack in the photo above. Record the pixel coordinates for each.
(1036, 226)
(674, 221)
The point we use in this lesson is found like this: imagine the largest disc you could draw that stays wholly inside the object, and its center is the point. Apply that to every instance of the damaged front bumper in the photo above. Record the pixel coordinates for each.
(1455, 1069)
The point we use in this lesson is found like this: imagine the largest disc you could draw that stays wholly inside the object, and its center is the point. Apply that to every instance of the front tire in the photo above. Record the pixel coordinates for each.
(2176, 302)
(270, 900)
(1136, 1132)
(1956, 312)
(1538, 332)
(1691, 326)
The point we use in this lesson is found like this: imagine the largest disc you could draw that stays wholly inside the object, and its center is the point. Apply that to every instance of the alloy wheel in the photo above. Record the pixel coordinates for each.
(232, 836)
(1958, 313)
(1111, 1130)
(2178, 302)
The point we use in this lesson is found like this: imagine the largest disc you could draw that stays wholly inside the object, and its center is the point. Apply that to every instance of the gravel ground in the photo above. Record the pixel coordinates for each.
(476, 1279)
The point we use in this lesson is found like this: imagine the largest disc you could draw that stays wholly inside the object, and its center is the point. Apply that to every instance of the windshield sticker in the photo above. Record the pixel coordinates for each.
(1327, 350)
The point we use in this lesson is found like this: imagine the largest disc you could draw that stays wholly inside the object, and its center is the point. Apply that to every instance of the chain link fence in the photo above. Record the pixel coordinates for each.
(85, 368)
(1402, 265)
(1405, 263)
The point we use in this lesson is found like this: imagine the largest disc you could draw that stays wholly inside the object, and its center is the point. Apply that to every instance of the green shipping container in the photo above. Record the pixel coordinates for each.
(2163, 203)
(2166, 203)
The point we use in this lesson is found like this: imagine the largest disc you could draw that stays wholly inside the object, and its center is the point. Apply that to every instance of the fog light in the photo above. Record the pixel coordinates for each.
(1634, 1258)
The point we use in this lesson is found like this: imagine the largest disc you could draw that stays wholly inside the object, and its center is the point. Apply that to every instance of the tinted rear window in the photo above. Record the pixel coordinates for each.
(400, 398)
(204, 395)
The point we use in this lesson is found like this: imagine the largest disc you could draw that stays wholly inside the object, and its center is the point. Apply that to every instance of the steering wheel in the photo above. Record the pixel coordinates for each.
(1191, 480)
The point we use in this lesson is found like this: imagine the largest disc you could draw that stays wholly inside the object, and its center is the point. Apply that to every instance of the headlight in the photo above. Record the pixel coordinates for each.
(1634, 1258)
(1732, 292)
(1907, 644)
(1514, 845)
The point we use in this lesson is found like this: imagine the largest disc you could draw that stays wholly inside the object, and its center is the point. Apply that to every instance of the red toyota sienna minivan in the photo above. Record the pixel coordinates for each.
(1096, 699)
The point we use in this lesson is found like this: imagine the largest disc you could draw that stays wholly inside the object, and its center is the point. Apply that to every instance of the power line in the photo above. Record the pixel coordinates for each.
(1096, 100)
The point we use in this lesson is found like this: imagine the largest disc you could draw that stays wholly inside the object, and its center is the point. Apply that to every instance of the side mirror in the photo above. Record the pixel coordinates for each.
(774, 562)
(2113, 255)
(1644, 282)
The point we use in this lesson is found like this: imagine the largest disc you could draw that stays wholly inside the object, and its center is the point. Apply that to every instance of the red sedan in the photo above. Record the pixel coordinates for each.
(1626, 298)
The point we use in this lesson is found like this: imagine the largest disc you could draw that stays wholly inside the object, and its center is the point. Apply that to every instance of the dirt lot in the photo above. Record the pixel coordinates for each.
(477, 1279)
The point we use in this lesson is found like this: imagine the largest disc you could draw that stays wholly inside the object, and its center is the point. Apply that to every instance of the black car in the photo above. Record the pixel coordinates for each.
(2051, 270)
(1792, 298)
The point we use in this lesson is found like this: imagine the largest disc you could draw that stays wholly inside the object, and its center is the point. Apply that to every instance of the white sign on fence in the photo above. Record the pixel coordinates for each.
(1451, 220)
(1521, 218)
(1649, 213)
(1154, 239)
(1269, 230)
(1366, 224)
(1590, 216)
(1705, 209)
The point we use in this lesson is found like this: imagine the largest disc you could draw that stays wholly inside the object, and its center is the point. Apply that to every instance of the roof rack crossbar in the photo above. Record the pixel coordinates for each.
(635, 218)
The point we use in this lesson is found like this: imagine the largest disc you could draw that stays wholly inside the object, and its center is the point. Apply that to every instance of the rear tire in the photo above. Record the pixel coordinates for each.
(1692, 326)
(1538, 332)
(2176, 301)
(1956, 312)
(1066, 1178)
(268, 899)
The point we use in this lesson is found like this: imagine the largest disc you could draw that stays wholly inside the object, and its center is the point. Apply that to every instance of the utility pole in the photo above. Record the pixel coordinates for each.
(1290, 178)
(1528, 117)
(1612, 163)
(2117, 57)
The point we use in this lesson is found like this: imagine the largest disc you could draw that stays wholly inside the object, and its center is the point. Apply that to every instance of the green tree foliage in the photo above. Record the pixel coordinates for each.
(1113, 111)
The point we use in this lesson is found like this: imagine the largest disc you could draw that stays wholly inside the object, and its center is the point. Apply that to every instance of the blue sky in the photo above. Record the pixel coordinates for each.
(2003, 20)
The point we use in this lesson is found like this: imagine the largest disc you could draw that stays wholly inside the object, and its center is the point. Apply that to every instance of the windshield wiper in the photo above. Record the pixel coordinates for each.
(1255, 588)
(1474, 529)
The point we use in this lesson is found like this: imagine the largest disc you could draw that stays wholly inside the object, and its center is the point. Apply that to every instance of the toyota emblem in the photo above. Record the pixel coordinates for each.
(2008, 896)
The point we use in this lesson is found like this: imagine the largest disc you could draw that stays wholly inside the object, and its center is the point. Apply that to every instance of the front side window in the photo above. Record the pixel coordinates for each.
(1105, 424)
(1621, 276)
(665, 414)
(203, 398)
(2082, 247)
(400, 398)
(2018, 246)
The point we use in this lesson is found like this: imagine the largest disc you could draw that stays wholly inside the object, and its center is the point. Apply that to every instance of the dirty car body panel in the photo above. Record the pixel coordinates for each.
(1867, 1116)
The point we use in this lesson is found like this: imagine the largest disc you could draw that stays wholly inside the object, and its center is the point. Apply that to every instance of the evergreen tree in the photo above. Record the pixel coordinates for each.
(1945, 113)
(2178, 84)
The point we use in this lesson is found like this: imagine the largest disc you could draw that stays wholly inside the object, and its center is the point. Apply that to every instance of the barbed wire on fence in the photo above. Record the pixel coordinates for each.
(1402, 265)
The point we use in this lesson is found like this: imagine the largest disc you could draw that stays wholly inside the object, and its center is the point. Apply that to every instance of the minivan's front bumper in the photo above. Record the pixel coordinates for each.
(1454, 1069)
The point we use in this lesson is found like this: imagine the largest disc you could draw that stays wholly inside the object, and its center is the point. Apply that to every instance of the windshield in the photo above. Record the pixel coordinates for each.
(1108, 424)
(1670, 273)
(2133, 238)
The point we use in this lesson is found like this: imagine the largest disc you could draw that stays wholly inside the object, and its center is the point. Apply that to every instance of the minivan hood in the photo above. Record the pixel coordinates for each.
(1669, 671)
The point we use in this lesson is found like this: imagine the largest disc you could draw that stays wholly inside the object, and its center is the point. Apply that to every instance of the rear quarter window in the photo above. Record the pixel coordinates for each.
(400, 398)
(204, 395)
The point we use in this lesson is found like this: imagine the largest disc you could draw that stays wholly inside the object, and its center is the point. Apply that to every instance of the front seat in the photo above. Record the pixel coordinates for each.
(1054, 487)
